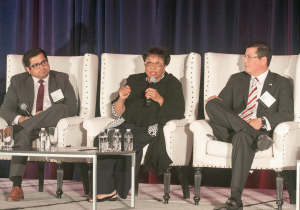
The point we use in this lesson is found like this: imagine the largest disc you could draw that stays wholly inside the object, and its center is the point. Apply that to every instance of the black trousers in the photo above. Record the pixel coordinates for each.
(229, 127)
(24, 138)
(114, 172)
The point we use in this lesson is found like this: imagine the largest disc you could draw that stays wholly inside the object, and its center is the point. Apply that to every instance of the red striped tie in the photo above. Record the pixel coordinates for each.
(40, 97)
(251, 105)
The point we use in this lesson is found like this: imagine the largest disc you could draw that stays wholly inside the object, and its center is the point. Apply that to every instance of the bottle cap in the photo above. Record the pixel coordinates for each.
(117, 130)
(128, 130)
(42, 129)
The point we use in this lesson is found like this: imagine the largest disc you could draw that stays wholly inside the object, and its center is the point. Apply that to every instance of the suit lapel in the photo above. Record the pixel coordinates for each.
(268, 85)
(246, 84)
(30, 91)
(53, 85)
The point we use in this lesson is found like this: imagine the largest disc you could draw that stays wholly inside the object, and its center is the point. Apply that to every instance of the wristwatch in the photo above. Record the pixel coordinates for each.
(263, 122)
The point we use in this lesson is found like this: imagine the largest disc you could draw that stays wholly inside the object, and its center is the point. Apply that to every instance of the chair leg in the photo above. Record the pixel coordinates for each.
(279, 188)
(167, 180)
(84, 177)
(60, 176)
(197, 180)
(183, 181)
(41, 176)
(290, 184)
(90, 178)
(136, 186)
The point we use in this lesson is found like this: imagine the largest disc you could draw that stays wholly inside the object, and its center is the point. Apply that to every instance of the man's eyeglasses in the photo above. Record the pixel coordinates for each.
(157, 64)
(249, 57)
(37, 65)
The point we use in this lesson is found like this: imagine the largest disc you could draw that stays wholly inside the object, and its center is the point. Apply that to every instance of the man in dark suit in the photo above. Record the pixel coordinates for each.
(246, 112)
(49, 96)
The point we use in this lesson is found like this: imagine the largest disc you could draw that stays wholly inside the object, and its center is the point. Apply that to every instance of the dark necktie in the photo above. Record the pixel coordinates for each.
(251, 105)
(40, 97)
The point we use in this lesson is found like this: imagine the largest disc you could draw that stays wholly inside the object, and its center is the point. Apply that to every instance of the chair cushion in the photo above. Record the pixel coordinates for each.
(223, 149)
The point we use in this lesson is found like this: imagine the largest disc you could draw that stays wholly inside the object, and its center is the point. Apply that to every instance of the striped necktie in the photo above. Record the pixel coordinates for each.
(251, 105)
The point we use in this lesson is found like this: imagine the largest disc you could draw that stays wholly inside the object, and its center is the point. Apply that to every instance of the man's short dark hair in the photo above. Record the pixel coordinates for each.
(160, 52)
(32, 53)
(263, 50)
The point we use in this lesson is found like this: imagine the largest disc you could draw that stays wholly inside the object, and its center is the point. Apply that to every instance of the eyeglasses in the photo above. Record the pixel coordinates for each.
(157, 64)
(37, 65)
(249, 57)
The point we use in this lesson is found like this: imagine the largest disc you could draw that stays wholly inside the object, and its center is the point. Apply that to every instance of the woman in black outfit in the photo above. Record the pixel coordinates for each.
(145, 121)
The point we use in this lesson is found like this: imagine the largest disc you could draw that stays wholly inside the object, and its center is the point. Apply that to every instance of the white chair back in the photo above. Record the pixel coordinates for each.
(115, 68)
(82, 78)
(219, 67)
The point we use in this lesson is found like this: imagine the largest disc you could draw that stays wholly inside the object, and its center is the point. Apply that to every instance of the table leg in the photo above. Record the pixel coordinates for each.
(298, 185)
(95, 182)
(132, 179)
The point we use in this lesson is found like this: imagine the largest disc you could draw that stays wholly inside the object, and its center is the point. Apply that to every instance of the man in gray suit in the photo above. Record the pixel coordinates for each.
(246, 112)
(49, 97)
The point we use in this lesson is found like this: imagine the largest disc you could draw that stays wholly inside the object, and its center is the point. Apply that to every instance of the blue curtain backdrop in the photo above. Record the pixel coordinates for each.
(76, 27)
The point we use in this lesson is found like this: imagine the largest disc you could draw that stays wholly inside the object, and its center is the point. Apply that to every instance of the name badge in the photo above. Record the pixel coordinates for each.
(57, 96)
(267, 99)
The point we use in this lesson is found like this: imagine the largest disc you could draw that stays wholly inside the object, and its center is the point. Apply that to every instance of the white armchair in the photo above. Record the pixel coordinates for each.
(83, 74)
(214, 154)
(115, 68)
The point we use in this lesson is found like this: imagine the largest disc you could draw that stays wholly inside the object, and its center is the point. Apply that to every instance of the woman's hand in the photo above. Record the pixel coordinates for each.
(124, 92)
(154, 95)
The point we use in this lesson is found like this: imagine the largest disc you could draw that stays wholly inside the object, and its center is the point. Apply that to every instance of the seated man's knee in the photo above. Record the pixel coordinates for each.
(60, 109)
(211, 104)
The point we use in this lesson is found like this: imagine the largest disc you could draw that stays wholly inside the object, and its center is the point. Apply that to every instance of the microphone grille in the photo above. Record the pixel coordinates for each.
(153, 79)
(23, 106)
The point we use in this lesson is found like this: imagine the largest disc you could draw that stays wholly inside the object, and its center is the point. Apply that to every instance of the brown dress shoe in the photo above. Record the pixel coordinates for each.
(16, 194)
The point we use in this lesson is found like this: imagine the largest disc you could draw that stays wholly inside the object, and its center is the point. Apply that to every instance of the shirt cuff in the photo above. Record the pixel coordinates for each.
(268, 126)
(16, 120)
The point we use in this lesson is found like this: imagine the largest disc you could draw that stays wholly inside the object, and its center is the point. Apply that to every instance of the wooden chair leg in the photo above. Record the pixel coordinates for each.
(279, 188)
(290, 184)
(136, 186)
(60, 176)
(167, 180)
(41, 176)
(197, 180)
(82, 170)
(183, 181)
(90, 178)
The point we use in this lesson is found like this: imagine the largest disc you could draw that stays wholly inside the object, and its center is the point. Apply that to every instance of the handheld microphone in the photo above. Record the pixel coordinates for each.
(24, 108)
(152, 83)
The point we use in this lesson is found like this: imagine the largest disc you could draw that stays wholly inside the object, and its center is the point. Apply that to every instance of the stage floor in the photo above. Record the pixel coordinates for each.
(150, 197)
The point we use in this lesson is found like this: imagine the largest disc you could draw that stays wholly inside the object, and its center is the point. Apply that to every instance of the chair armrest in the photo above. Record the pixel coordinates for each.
(179, 141)
(93, 127)
(286, 144)
(71, 132)
(2, 123)
(200, 128)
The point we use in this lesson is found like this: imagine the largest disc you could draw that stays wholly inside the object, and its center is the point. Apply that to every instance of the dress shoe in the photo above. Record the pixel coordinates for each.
(16, 194)
(109, 198)
(264, 142)
(232, 204)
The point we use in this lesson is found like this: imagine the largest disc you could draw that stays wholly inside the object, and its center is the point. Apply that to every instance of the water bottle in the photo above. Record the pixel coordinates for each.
(42, 139)
(117, 141)
(128, 140)
(103, 143)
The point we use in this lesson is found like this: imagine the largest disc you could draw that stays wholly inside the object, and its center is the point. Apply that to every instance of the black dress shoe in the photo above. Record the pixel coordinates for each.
(232, 204)
(264, 142)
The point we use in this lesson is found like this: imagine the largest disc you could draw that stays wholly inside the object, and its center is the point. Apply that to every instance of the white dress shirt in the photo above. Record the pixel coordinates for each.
(261, 80)
(47, 101)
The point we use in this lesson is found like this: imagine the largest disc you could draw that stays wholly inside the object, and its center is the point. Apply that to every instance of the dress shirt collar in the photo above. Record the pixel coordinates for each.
(261, 78)
(36, 80)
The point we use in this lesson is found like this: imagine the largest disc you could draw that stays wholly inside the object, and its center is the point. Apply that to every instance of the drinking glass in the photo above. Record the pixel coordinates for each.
(7, 137)
(53, 137)
(110, 133)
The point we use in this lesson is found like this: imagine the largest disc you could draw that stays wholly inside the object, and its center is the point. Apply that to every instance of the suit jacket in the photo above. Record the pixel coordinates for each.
(21, 90)
(235, 95)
